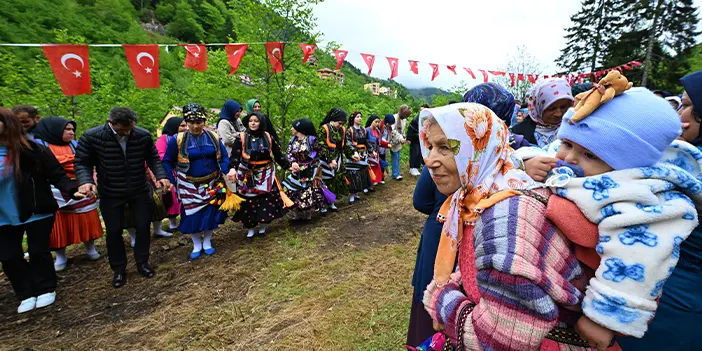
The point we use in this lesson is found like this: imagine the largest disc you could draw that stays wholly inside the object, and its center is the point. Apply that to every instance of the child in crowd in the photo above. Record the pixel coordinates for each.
(623, 174)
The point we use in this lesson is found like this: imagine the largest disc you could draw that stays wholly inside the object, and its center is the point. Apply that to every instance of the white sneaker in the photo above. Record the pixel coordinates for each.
(59, 267)
(27, 305)
(47, 299)
(93, 256)
(415, 172)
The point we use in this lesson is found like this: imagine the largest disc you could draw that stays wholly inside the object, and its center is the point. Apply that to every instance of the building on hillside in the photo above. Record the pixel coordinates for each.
(327, 73)
(373, 87)
(376, 89)
(246, 80)
(177, 111)
(312, 61)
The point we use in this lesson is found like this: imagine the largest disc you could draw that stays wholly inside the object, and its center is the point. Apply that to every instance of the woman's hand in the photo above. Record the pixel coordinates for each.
(356, 157)
(295, 167)
(596, 335)
(538, 167)
(231, 176)
(333, 164)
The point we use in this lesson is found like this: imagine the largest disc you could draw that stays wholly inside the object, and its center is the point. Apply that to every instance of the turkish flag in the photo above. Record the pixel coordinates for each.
(485, 75)
(545, 77)
(307, 49)
(636, 63)
(414, 67)
(532, 78)
(143, 61)
(511, 77)
(434, 70)
(470, 71)
(498, 73)
(627, 67)
(452, 68)
(370, 60)
(196, 57)
(235, 52)
(71, 67)
(520, 76)
(393, 62)
(275, 56)
(340, 57)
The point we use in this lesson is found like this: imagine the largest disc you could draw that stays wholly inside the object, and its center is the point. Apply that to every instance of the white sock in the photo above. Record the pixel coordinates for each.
(61, 256)
(324, 210)
(132, 234)
(90, 247)
(197, 242)
(207, 242)
(262, 230)
(158, 227)
(352, 198)
(251, 233)
(173, 224)
(365, 191)
(333, 207)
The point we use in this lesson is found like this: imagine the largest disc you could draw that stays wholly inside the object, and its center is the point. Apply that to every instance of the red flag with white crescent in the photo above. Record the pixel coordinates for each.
(275, 56)
(393, 62)
(434, 70)
(452, 68)
(511, 78)
(71, 67)
(370, 60)
(414, 66)
(636, 63)
(307, 50)
(485, 75)
(196, 57)
(532, 78)
(235, 52)
(143, 61)
(520, 76)
(498, 73)
(340, 57)
(470, 71)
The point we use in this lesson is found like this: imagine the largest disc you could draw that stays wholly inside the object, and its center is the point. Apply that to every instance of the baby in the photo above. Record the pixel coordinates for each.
(622, 169)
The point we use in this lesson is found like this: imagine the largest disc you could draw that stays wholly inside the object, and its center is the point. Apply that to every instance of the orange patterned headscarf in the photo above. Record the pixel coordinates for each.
(486, 166)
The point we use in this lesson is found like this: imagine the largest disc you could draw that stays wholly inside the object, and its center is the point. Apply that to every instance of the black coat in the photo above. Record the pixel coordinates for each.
(117, 175)
(413, 131)
(526, 128)
(40, 170)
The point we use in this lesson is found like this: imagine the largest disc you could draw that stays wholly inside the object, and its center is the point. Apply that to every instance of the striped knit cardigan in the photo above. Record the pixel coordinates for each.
(521, 273)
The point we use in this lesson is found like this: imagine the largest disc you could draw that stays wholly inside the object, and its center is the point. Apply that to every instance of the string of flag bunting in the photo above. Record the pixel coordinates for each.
(71, 66)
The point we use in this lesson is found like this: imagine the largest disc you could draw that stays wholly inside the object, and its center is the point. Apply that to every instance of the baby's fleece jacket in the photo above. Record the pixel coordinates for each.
(643, 215)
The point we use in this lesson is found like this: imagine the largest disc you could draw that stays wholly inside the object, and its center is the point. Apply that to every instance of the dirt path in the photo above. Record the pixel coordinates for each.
(339, 283)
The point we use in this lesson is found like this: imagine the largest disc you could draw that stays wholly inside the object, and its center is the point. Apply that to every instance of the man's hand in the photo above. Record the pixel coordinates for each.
(79, 195)
(408, 142)
(596, 335)
(88, 190)
(538, 167)
(163, 183)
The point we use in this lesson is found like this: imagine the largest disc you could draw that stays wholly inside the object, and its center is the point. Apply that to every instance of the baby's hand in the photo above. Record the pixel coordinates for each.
(538, 167)
(598, 336)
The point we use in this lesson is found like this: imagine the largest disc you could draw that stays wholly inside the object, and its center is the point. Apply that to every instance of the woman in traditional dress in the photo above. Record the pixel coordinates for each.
(375, 142)
(304, 185)
(76, 221)
(173, 126)
(252, 167)
(357, 172)
(197, 157)
(332, 149)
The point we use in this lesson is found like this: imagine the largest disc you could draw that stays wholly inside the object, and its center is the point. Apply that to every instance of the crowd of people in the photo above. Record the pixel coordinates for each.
(192, 174)
(565, 223)
(584, 238)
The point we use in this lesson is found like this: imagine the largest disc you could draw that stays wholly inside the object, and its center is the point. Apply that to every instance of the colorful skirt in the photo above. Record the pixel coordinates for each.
(197, 214)
(74, 228)
(261, 209)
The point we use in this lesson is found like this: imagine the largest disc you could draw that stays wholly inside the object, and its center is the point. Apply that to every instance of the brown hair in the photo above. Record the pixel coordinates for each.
(30, 110)
(13, 138)
(404, 111)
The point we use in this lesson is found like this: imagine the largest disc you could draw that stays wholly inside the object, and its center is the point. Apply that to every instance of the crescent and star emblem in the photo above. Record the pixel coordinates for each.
(196, 54)
(277, 57)
(70, 56)
(147, 55)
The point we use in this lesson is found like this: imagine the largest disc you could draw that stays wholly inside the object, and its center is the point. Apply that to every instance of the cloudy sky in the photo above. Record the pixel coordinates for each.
(468, 33)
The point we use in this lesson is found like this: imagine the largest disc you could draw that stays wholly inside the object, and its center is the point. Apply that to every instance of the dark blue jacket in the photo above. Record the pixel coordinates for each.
(428, 200)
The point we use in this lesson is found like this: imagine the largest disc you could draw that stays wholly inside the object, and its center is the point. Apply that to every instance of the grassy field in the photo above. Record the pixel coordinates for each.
(338, 283)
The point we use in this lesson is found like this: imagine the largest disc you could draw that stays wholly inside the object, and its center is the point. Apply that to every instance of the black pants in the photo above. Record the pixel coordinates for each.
(36, 277)
(421, 326)
(416, 160)
(112, 210)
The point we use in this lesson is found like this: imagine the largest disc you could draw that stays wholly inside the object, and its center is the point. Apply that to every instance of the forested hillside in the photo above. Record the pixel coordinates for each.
(26, 78)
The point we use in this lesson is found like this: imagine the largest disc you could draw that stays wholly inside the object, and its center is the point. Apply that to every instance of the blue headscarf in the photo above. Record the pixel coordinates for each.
(389, 119)
(229, 109)
(693, 87)
(494, 97)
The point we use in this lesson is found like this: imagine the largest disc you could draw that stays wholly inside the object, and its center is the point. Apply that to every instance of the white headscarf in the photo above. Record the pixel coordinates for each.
(542, 95)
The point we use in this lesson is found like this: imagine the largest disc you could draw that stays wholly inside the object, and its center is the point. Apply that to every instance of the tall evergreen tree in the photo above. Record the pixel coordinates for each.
(597, 22)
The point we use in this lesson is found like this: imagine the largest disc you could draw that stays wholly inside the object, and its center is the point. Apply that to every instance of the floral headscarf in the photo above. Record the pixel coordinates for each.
(540, 97)
(486, 166)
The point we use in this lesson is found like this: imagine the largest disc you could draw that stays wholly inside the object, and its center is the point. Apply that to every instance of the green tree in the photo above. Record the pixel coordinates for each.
(597, 22)
(186, 25)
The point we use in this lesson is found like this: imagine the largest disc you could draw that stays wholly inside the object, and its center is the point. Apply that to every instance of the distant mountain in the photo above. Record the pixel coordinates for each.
(427, 93)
